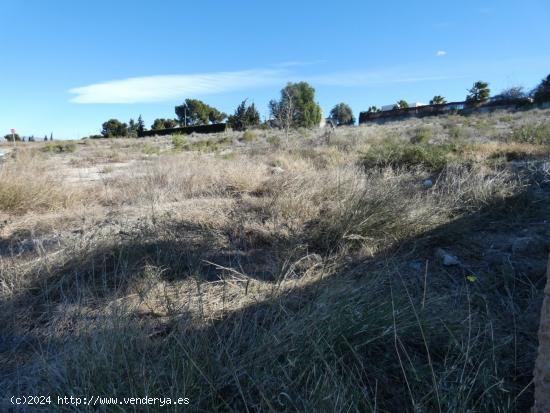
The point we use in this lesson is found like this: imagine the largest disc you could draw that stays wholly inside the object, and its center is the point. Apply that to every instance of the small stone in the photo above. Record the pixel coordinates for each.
(447, 258)
(277, 170)
(428, 183)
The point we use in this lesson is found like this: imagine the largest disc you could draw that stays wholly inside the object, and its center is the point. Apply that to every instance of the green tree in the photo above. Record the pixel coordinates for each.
(215, 116)
(542, 91)
(438, 100)
(10, 137)
(373, 109)
(244, 117)
(114, 128)
(479, 92)
(401, 104)
(297, 106)
(512, 93)
(140, 126)
(196, 112)
(162, 123)
(342, 114)
(132, 128)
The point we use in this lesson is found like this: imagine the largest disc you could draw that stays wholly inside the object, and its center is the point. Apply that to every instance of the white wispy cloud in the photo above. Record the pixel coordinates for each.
(298, 63)
(168, 87)
(440, 53)
(172, 87)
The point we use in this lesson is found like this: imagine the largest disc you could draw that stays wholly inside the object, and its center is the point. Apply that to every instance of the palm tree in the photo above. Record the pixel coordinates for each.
(438, 100)
(479, 92)
(402, 104)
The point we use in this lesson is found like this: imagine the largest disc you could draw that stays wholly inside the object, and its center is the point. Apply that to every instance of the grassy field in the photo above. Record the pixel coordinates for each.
(382, 268)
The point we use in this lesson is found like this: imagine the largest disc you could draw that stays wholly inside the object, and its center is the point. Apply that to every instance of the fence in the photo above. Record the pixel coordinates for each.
(214, 128)
(434, 110)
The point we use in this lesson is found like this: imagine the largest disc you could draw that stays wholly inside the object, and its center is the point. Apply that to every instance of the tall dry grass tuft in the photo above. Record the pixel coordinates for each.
(30, 183)
(172, 178)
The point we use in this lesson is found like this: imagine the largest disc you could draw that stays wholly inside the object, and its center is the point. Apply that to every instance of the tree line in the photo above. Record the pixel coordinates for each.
(480, 93)
(18, 138)
(296, 107)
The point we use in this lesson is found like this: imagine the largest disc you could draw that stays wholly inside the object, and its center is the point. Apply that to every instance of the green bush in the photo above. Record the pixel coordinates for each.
(248, 136)
(422, 134)
(179, 141)
(208, 145)
(59, 147)
(407, 155)
(535, 134)
(149, 149)
(457, 132)
(274, 140)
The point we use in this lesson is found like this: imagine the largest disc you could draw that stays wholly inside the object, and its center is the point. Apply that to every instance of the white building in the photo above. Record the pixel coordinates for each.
(385, 108)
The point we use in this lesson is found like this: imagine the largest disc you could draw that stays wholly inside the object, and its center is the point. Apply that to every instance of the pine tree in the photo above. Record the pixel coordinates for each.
(244, 117)
(140, 126)
(542, 92)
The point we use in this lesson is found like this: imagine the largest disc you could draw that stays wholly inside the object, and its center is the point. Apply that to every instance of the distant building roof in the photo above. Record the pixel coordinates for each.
(385, 108)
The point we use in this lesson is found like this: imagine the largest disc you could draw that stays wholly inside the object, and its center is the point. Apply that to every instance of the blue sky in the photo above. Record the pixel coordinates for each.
(67, 66)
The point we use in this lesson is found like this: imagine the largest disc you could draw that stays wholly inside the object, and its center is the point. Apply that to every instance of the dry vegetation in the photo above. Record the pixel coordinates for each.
(255, 272)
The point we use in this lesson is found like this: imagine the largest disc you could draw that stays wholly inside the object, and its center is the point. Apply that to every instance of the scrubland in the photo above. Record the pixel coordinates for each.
(383, 268)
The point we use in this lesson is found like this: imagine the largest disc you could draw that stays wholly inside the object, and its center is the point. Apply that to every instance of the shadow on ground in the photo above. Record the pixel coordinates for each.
(398, 331)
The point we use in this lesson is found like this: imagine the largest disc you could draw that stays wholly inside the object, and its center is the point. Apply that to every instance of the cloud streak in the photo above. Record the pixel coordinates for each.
(168, 87)
(172, 87)
(440, 53)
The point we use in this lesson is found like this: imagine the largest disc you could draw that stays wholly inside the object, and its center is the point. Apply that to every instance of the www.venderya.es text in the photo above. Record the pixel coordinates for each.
(94, 400)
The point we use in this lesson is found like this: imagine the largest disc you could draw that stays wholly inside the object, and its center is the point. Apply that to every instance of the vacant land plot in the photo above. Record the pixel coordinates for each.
(395, 267)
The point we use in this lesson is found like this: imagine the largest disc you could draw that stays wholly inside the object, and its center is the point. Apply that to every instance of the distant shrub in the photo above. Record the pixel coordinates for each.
(458, 132)
(10, 137)
(208, 145)
(511, 93)
(248, 136)
(422, 134)
(149, 149)
(59, 147)
(406, 155)
(508, 154)
(532, 133)
(274, 140)
(179, 141)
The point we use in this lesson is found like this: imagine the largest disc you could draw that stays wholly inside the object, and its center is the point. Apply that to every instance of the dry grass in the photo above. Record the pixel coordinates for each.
(273, 275)
(30, 183)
